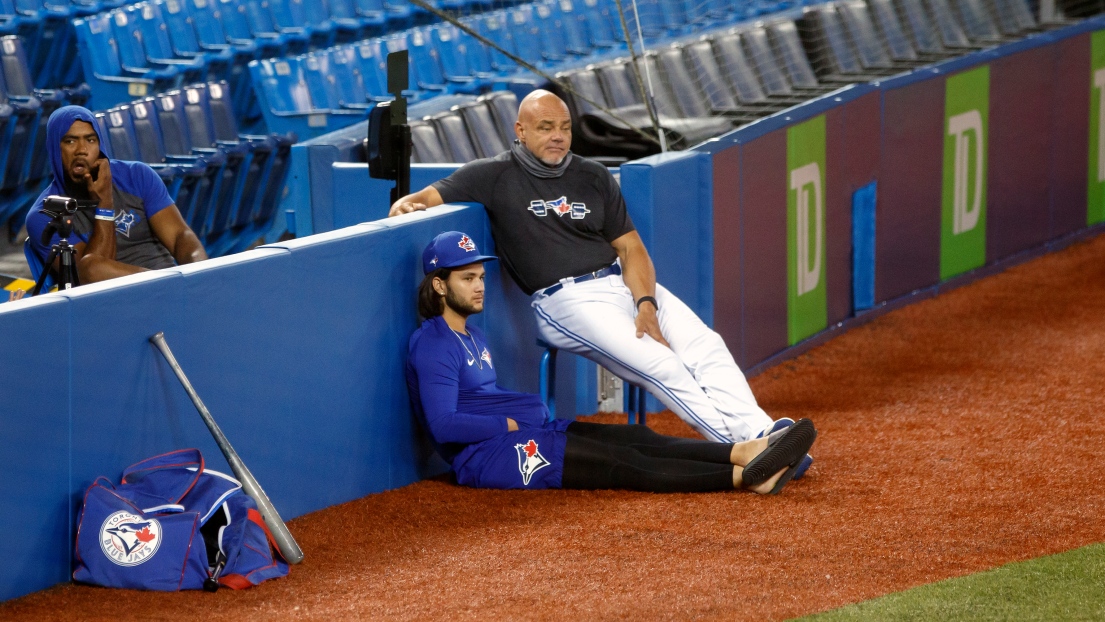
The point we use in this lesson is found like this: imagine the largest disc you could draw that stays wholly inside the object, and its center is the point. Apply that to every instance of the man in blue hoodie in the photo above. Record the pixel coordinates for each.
(136, 227)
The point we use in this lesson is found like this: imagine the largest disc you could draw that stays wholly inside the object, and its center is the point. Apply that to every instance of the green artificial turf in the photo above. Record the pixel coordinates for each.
(1067, 586)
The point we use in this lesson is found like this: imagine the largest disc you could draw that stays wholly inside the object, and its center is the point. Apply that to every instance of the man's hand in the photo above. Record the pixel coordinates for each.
(423, 199)
(16, 294)
(100, 187)
(647, 324)
(405, 207)
(511, 425)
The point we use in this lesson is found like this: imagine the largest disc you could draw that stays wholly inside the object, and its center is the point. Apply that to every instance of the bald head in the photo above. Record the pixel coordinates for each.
(544, 126)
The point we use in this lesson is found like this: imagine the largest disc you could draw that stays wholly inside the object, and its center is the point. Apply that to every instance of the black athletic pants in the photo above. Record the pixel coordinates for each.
(599, 456)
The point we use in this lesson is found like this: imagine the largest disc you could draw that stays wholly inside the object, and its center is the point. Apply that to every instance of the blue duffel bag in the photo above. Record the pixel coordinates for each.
(171, 525)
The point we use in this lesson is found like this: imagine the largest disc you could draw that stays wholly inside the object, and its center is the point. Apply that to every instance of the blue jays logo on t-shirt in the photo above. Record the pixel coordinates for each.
(529, 460)
(559, 207)
(485, 356)
(124, 221)
(128, 539)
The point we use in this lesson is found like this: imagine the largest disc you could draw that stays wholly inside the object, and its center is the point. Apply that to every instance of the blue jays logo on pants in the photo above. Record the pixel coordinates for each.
(559, 207)
(529, 460)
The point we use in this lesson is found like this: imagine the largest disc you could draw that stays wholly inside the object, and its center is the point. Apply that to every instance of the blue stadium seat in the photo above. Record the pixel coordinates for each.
(399, 13)
(201, 175)
(271, 151)
(53, 59)
(372, 60)
(550, 32)
(285, 100)
(184, 42)
(346, 15)
(528, 39)
(151, 36)
(17, 75)
(117, 129)
(222, 167)
(427, 60)
(235, 21)
(373, 13)
(346, 69)
(23, 130)
(323, 87)
(205, 18)
(296, 40)
(603, 24)
(578, 38)
(102, 68)
(290, 16)
(459, 63)
(493, 26)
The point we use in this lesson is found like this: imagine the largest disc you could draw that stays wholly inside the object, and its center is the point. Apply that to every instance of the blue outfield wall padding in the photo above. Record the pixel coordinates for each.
(674, 237)
(37, 510)
(863, 246)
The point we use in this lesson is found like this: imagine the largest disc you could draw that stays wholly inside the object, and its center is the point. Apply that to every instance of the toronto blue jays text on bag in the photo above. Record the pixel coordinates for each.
(167, 526)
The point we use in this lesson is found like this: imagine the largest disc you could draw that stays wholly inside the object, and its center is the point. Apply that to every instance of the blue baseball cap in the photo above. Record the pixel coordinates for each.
(451, 249)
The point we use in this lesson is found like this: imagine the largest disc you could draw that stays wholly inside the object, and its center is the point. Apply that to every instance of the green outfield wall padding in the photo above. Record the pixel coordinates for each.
(1068, 586)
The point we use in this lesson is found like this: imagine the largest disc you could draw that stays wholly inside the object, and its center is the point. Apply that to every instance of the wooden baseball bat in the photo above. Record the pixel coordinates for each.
(284, 540)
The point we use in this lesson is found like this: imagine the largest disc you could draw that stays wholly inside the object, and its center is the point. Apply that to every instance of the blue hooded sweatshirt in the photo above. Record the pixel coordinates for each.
(138, 191)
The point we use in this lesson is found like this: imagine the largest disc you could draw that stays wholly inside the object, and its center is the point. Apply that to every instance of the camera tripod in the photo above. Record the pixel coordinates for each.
(67, 268)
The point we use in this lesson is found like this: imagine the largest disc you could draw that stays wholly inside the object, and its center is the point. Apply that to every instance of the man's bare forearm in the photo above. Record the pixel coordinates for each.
(638, 273)
(95, 268)
(188, 248)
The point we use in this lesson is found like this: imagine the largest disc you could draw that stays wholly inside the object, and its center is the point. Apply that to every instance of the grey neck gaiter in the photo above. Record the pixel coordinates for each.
(536, 167)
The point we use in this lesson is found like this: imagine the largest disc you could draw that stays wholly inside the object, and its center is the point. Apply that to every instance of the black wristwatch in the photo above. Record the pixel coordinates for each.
(647, 299)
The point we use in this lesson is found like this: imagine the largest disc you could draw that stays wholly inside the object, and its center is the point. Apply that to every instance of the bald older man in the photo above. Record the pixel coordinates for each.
(561, 229)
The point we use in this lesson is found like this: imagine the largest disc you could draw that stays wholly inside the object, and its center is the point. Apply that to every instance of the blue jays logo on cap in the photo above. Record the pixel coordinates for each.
(450, 250)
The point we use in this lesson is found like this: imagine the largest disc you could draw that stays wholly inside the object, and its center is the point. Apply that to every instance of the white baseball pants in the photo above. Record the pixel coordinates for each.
(696, 378)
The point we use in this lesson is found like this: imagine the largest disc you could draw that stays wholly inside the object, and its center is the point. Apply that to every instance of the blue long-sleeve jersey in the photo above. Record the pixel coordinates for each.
(452, 384)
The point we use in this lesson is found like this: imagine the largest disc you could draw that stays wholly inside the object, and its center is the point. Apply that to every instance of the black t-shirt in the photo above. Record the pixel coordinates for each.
(544, 229)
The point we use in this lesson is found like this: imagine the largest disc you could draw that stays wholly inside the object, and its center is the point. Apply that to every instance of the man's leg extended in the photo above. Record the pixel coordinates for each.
(706, 357)
(596, 320)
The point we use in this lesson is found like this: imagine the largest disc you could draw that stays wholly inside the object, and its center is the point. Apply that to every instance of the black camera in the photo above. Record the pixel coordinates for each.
(56, 206)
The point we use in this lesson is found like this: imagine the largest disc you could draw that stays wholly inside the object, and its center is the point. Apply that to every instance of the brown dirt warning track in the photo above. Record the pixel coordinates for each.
(957, 434)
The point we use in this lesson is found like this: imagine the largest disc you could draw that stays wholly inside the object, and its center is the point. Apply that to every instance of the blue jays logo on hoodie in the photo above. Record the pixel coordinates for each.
(559, 207)
(128, 539)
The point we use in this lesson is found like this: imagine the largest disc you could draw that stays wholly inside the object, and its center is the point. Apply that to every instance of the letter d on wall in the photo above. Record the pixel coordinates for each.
(807, 312)
(966, 132)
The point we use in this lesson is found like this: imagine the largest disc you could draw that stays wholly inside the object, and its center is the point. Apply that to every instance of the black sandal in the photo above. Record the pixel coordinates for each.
(783, 451)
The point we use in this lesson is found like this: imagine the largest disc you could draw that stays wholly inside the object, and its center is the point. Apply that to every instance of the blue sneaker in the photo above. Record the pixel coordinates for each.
(783, 423)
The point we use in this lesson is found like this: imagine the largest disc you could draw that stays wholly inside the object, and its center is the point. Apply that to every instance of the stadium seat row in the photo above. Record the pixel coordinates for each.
(752, 71)
(226, 185)
(24, 111)
(481, 128)
(855, 39)
(319, 92)
(152, 46)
